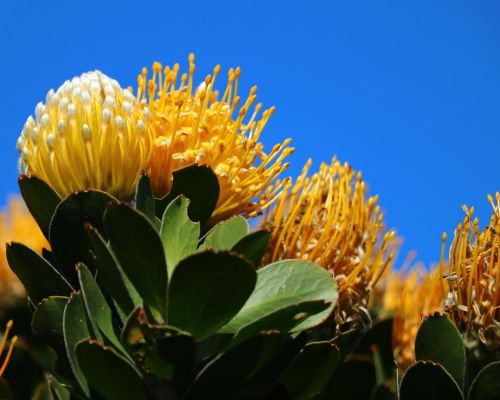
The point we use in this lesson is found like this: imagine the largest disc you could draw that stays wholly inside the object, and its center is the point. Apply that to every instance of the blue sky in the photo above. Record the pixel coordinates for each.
(406, 91)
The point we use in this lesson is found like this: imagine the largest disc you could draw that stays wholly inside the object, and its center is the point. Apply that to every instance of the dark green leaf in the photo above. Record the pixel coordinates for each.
(109, 273)
(207, 290)
(438, 340)
(353, 380)
(311, 369)
(67, 234)
(384, 392)
(40, 199)
(178, 233)
(39, 278)
(98, 310)
(378, 341)
(200, 185)
(48, 324)
(144, 200)
(75, 328)
(347, 341)
(486, 385)
(139, 251)
(253, 246)
(5, 391)
(235, 366)
(287, 283)
(59, 391)
(428, 381)
(226, 234)
(109, 373)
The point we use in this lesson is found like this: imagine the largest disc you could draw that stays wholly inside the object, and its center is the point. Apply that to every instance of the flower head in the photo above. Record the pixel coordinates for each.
(196, 125)
(408, 296)
(473, 277)
(16, 224)
(327, 219)
(13, 342)
(90, 133)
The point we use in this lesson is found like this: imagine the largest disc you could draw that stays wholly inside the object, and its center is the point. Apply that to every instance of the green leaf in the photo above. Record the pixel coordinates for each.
(230, 369)
(200, 185)
(438, 340)
(75, 328)
(144, 200)
(311, 370)
(67, 234)
(253, 246)
(109, 273)
(207, 290)
(428, 381)
(378, 342)
(139, 251)
(39, 278)
(48, 324)
(347, 341)
(40, 199)
(384, 392)
(98, 310)
(284, 284)
(178, 233)
(226, 234)
(59, 390)
(353, 380)
(486, 385)
(109, 373)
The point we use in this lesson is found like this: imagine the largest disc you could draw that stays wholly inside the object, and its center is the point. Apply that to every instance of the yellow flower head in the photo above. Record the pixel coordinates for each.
(473, 277)
(16, 224)
(90, 133)
(327, 219)
(196, 125)
(408, 297)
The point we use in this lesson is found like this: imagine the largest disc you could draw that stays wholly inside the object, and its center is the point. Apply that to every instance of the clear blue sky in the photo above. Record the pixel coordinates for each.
(406, 91)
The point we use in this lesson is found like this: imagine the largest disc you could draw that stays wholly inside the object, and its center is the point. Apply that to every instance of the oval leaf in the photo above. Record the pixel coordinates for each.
(284, 284)
(40, 199)
(67, 234)
(226, 234)
(486, 385)
(39, 278)
(253, 246)
(109, 373)
(144, 200)
(428, 381)
(438, 340)
(139, 251)
(178, 233)
(207, 290)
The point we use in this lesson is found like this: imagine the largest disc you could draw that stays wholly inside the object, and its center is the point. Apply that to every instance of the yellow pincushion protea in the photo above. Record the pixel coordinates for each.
(90, 133)
(327, 219)
(473, 277)
(193, 125)
(16, 224)
(408, 296)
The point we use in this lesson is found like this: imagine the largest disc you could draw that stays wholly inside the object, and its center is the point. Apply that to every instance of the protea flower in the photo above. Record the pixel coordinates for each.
(12, 343)
(16, 224)
(193, 124)
(327, 219)
(90, 133)
(408, 296)
(473, 277)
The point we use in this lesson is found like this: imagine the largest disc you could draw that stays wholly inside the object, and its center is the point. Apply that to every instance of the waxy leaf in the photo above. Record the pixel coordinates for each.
(40, 199)
(486, 385)
(98, 310)
(178, 233)
(67, 234)
(200, 185)
(428, 381)
(109, 373)
(311, 370)
(253, 246)
(75, 328)
(139, 251)
(144, 200)
(39, 278)
(284, 284)
(438, 340)
(226, 234)
(207, 290)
